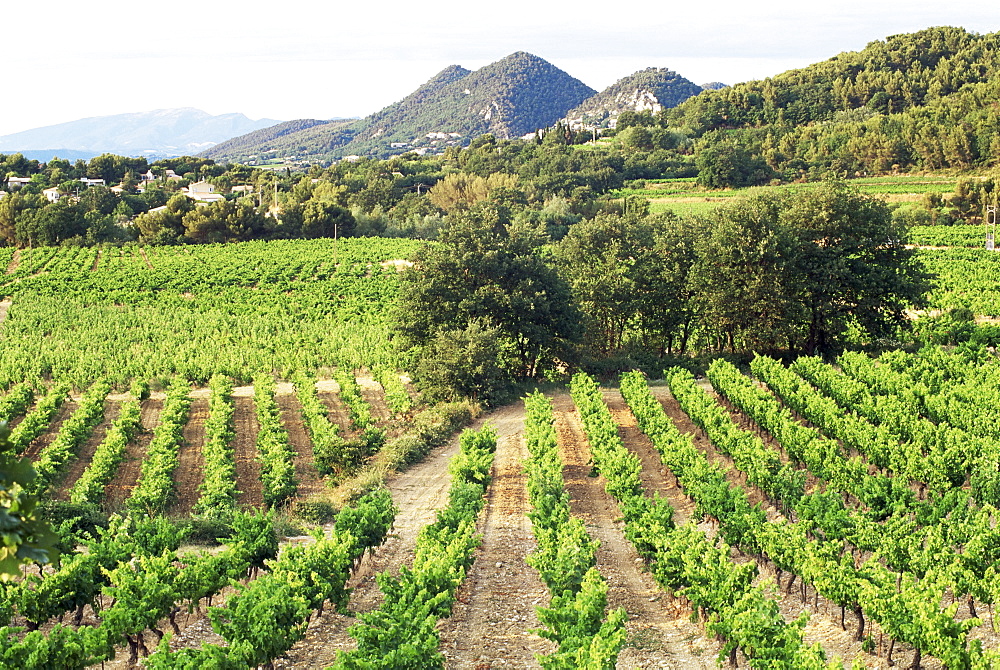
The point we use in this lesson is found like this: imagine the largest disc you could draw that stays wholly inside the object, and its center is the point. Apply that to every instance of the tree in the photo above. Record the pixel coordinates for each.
(797, 269)
(463, 363)
(460, 190)
(489, 271)
(602, 258)
(224, 221)
(725, 164)
(167, 225)
(51, 224)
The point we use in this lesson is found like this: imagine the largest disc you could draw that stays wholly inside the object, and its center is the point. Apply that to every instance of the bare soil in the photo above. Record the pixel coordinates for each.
(188, 475)
(495, 609)
(46, 438)
(87, 449)
(120, 488)
(308, 477)
(374, 395)
(337, 411)
(418, 493)
(245, 453)
(660, 633)
(15, 262)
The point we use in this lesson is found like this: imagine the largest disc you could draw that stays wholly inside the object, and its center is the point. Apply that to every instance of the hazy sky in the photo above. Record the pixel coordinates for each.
(66, 59)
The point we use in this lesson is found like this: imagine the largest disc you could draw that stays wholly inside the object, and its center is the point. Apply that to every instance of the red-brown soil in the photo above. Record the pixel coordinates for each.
(245, 453)
(188, 475)
(87, 449)
(305, 469)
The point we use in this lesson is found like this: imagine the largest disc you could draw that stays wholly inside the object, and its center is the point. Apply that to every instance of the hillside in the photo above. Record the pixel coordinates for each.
(509, 98)
(301, 136)
(924, 100)
(891, 76)
(652, 89)
(161, 132)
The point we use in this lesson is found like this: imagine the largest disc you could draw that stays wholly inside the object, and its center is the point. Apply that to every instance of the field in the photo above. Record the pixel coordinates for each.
(684, 197)
(859, 495)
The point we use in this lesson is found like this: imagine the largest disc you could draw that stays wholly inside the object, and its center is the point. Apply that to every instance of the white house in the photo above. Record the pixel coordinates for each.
(91, 182)
(17, 182)
(202, 191)
(52, 194)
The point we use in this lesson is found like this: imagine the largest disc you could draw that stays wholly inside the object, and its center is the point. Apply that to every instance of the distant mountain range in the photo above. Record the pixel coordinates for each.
(162, 132)
(512, 97)
(509, 98)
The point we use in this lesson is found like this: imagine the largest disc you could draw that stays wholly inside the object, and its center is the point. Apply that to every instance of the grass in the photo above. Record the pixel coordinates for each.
(685, 196)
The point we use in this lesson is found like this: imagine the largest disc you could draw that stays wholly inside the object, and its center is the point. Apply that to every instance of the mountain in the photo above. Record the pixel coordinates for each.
(291, 138)
(509, 98)
(162, 132)
(650, 90)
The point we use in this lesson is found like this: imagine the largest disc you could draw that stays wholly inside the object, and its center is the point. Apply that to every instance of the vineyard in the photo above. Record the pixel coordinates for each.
(808, 515)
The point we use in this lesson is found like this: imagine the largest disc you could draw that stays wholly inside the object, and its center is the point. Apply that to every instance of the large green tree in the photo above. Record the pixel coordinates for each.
(491, 272)
(795, 269)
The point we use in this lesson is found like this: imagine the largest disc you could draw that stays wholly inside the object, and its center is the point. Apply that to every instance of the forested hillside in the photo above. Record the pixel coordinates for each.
(291, 137)
(652, 89)
(923, 100)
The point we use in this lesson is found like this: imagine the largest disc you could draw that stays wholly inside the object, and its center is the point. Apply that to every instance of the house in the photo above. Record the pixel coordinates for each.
(91, 182)
(17, 182)
(52, 194)
(202, 191)
(242, 189)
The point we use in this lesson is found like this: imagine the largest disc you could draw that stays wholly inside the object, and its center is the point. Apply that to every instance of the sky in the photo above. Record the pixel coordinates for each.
(66, 60)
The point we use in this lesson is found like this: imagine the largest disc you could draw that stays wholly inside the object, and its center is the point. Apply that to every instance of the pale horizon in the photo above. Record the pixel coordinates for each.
(353, 61)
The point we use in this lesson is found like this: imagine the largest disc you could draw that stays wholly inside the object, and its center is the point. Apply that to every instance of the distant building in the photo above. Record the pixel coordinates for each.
(202, 191)
(17, 182)
(91, 182)
(52, 194)
(242, 189)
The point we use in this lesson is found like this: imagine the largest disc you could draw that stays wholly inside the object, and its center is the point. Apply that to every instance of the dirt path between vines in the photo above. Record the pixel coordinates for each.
(15, 262)
(337, 412)
(245, 427)
(374, 395)
(660, 634)
(418, 493)
(191, 462)
(87, 449)
(306, 474)
(495, 607)
(125, 479)
(36, 445)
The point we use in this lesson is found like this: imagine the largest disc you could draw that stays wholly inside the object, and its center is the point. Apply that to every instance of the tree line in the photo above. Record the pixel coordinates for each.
(783, 271)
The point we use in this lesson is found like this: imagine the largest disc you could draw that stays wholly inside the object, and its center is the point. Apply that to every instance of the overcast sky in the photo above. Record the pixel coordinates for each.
(66, 59)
